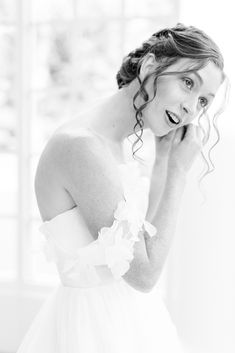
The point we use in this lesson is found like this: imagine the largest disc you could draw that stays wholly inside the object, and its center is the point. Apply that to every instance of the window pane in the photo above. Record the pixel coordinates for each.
(45, 10)
(34, 206)
(52, 77)
(61, 50)
(51, 56)
(7, 89)
(8, 140)
(8, 248)
(98, 8)
(149, 7)
(96, 59)
(139, 30)
(7, 10)
(77, 66)
(50, 110)
(7, 54)
(8, 184)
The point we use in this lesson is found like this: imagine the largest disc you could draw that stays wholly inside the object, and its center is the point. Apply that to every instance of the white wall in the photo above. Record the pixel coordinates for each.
(201, 265)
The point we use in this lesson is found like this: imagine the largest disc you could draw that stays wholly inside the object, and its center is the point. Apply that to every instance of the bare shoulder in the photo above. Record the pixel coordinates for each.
(89, 173)
(57, 155)
(81, 154)
(64, 145)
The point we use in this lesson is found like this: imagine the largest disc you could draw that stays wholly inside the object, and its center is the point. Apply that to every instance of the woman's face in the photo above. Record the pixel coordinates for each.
(181, 97)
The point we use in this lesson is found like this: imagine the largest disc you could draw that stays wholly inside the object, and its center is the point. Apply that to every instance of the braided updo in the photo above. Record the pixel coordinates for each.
(170, 43)
(168, 46)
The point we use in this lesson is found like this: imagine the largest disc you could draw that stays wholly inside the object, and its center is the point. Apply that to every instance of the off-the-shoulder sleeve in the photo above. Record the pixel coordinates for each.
(118, 240)
(114, 246)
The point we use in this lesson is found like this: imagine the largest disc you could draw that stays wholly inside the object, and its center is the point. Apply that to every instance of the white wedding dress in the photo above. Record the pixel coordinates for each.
(94, 310)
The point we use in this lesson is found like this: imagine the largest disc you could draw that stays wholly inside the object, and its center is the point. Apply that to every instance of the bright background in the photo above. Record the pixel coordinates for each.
(56, 57)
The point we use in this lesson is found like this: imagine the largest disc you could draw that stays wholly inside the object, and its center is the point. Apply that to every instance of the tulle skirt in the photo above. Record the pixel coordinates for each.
(113, 318)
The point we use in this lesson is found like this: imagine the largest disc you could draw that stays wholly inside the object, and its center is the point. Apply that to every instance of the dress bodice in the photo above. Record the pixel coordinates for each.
(84, 262)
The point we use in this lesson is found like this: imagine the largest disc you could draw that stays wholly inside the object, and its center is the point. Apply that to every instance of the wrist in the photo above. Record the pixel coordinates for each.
(160, 161)
(159, 169)
(176, 176)
(177, 171)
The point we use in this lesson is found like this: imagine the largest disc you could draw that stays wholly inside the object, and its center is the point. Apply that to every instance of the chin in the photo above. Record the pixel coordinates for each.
(160, 133)
(164, 134)
(158, 130)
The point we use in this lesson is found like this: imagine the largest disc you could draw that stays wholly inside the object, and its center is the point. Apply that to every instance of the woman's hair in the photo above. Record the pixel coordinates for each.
(168, 46)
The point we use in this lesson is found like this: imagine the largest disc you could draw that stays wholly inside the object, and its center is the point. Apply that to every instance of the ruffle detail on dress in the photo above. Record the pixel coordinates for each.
(114, 246)
(118, 240)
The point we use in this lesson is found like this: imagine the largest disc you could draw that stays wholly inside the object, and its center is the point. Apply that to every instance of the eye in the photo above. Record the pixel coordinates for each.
(188, 82)
(203, 101)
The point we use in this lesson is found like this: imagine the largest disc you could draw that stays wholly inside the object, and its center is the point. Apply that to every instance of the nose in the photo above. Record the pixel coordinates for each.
(189, 107)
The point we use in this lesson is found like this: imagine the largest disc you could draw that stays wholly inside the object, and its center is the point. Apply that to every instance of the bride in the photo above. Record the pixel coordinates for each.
(107, 228)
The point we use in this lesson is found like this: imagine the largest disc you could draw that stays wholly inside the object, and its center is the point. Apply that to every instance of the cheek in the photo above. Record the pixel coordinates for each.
(169, 93)
(163, 91)
(196, 116)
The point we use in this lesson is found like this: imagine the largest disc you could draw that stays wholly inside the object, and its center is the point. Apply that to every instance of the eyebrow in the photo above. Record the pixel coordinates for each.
(201, 82)
(211, 94)
(198, 76)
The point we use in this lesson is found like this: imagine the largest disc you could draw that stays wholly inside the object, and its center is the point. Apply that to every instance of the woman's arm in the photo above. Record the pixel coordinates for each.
(184, 148)
(157, 186)
(165, 220)
(157, 247)
(159, 173)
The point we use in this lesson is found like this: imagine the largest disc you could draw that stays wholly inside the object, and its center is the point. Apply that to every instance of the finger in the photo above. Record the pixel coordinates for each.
(190, 133)
(179, 134)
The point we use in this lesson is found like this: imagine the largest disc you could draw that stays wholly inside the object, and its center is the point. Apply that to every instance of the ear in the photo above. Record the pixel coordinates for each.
(148, 65)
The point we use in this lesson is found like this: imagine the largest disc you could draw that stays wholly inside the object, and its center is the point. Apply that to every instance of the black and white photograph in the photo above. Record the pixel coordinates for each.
(117, 194)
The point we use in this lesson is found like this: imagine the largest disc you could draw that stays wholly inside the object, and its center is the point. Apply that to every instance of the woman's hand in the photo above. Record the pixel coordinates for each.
(186, 145)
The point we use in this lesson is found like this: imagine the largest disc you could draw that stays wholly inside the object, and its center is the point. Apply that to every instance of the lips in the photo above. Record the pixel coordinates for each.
(172, 118)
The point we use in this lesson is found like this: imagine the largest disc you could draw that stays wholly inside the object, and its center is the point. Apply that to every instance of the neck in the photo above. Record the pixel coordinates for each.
(114, 118)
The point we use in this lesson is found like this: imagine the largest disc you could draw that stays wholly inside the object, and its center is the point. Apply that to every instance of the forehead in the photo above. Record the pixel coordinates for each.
(211, 75)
